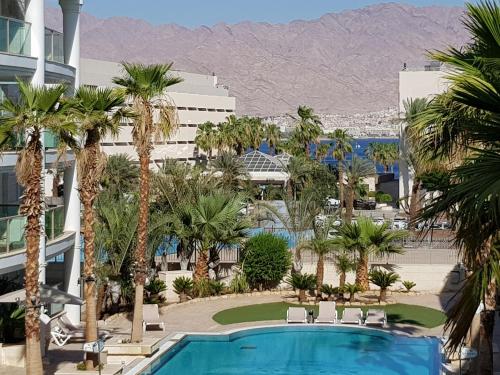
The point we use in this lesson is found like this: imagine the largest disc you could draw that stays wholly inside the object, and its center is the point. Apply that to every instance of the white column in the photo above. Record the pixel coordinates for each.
(72, 262)
(71, 31)
(35, 15)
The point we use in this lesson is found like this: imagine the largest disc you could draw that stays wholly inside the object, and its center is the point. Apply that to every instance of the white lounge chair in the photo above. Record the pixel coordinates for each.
(376, 318)
(151, 317)
(327, 313)
(296, 315)
(352, 316)
(59, 337)
(77, 332)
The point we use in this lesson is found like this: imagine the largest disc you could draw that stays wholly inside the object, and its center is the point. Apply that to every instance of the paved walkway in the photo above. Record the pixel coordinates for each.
(197, 317)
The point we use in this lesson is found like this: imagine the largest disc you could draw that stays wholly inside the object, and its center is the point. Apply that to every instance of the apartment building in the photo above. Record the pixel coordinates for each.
(423, 83)
(32, 52)
(198, 99)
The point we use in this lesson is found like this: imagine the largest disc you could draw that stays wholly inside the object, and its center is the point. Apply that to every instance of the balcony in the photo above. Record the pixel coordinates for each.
(12, 237)
(54, 46)
(15, 37)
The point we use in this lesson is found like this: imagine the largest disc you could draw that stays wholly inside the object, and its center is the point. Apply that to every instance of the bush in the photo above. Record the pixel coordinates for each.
(381, 197)
(352, 289)
(409, 285)
(266, 260)
(201, 288)
(239, 283)
(329, 290)
(302, 282)
(216, 287)
(183, 286)
(383, 280)
(153, 291)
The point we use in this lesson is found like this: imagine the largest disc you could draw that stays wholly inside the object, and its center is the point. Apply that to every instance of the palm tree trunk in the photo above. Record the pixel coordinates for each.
(140, 252)
(89, 274)
(362, 272)
(342, 280)
(487, 323)
(341, 187)
(383, 295)
(320, 270)
(349, 204)
(201, 267)
(302, 295)
(415, 196)
(32, 206)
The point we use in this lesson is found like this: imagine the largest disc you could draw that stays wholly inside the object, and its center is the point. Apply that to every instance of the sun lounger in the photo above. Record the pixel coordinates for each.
(352, 316)
(77, 332)
(376, 318)
(151, 317)
(296, 315)
(56, 334)
(327, 313)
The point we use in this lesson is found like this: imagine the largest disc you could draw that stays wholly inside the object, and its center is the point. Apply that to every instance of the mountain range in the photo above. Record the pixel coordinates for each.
(346, 62)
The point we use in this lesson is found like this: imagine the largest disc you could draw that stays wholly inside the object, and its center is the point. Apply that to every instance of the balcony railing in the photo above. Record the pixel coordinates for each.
(15, 36)
(54, 46)
(12, 229)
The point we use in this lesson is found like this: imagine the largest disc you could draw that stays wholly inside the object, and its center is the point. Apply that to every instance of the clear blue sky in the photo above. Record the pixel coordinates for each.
(192, 13)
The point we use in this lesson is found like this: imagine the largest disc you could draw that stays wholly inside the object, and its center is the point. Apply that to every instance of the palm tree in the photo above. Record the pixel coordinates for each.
(215, 219)
(322, 151)
(253, 132)
(320, 245)
(357, 170)
(385, 154)
(308, 129)
(206, 138)
(120, 175)
(462, 125)
(273, 136)
(232, 171)
(343, 264)
(363, 238)
(383, 280)
(93, 109)
(38, 109)
(145, 85)
(343, 146)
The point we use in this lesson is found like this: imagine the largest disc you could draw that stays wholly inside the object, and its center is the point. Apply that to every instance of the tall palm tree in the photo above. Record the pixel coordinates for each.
(463, 125)
(146, 86)
(385, 154)
(253, 132)
(357, 170)
(98, 112)
(206, 138)
(322, 151)
(343, 146)
(273, 136)
(38, 109)
(363, 238)
(308, 129)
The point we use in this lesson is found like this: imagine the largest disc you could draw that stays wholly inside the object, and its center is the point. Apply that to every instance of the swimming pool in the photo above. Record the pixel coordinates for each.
(300, 350)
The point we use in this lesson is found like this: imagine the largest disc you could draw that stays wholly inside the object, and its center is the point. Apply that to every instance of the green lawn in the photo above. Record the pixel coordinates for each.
(397, 313)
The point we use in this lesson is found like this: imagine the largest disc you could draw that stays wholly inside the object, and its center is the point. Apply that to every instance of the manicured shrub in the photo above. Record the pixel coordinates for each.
(409, 285)
(381, 197)
(302, 283)
(265, 260)
(383, 280)
(153, 291)
(183, 286)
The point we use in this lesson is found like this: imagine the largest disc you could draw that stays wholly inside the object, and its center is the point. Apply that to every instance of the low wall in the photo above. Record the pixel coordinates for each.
(12, 355)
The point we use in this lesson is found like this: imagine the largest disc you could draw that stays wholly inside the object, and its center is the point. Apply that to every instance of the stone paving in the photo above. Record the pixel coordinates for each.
(197, 317)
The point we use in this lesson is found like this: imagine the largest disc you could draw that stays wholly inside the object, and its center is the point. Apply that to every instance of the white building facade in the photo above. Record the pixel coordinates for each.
(198, 99)
(34, 53)
(412, 85)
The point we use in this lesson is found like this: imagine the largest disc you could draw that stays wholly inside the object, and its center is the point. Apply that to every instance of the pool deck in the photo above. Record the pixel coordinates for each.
(197, 317)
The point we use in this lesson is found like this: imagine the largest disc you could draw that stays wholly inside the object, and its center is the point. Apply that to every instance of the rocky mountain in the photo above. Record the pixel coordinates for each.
(345, 62)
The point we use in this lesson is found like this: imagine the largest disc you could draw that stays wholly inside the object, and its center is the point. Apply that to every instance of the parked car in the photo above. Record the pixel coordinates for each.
(360, 204)
(379, 220)
(332, 203)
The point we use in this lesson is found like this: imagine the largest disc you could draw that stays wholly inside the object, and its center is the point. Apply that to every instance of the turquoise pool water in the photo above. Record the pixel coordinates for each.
(300, 350)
